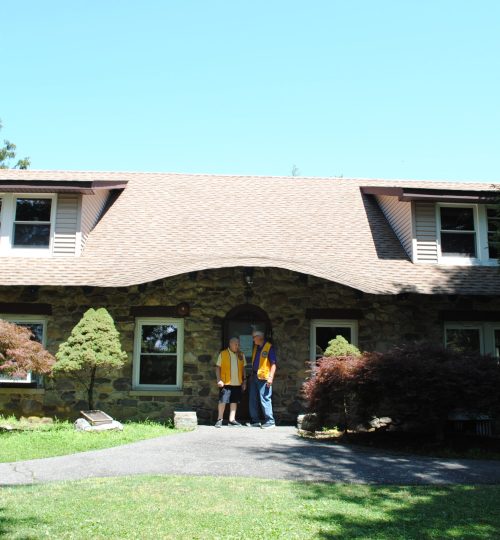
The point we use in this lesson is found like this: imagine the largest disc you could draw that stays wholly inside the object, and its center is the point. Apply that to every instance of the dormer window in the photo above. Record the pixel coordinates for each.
(32, 223)
(27, 224)
(458, 232)
(493, 215)
(467, 234)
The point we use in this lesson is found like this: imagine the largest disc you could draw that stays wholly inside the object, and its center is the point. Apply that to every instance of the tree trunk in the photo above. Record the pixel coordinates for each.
(91, 389)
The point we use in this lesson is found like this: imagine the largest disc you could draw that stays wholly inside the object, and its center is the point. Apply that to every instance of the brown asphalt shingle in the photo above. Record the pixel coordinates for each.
(167, 224)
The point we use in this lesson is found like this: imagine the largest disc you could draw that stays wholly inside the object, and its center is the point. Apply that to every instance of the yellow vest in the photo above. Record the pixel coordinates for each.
(225, 366)
(264, 363)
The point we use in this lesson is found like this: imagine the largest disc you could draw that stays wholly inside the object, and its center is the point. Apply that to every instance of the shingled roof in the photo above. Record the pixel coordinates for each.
(165, 224)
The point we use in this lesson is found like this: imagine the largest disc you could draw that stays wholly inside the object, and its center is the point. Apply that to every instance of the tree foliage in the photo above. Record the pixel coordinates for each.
(94, 345)
(8, 154)
(341, 347)
(20, 354)
(418, 385)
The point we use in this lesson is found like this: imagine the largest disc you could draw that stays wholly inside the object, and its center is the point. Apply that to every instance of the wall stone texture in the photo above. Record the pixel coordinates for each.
(211, 294)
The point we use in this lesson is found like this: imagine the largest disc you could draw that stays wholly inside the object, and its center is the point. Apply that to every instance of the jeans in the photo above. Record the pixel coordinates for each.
(260, 397)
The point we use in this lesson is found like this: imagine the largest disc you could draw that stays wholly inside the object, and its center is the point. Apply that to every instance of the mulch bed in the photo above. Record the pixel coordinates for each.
(454, 446)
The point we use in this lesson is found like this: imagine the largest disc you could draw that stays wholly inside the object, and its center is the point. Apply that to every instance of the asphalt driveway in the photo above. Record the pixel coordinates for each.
(251, 452)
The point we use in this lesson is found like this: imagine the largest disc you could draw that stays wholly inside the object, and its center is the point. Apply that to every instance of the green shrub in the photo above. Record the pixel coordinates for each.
(94, 344)
(341, 347)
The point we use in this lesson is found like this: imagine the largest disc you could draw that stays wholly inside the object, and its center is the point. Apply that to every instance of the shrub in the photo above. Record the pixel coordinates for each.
(341, 347)
(20, 354)
(417, 384)
(332, 387)
(93, 345)
(423, 383)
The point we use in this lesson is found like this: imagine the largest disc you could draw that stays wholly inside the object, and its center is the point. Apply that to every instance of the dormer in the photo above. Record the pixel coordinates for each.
(443, 226)
(50, 218)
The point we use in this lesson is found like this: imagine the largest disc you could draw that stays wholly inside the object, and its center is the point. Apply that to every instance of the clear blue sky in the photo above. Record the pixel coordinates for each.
(359, 88)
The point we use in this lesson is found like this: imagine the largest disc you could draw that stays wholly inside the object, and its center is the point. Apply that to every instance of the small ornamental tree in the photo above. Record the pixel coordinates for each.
(20, 354)
(331, 389)
(93, 345)
(341, 347)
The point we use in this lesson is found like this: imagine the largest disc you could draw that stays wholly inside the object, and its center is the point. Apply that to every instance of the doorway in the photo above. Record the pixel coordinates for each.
(240, 322)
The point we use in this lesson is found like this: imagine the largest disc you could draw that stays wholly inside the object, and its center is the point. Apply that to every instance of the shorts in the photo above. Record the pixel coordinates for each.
(230, 394)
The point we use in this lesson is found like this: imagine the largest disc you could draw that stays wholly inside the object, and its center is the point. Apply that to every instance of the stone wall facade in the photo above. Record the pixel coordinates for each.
(211, 294)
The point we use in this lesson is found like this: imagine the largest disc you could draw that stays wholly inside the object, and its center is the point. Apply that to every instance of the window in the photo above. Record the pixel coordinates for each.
(158, 353)
(323, 331)
(468, 234)
(493, 216)
(27, 224)
(32, 223)
(458, 233)
(473, 337)
(39, 329)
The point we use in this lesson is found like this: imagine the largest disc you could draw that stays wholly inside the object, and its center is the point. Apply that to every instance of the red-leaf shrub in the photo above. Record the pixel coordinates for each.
(418, 384)
(19, 354)
(421, 384)
(332, 387)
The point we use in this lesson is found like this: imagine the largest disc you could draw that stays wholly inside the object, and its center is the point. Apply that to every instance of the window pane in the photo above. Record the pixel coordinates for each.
(31, 235)
(33, 209)
(36, 329)
(460, 245)
(324, 334)
(159, 338)
(465, 340)
(493, 233)
(457, 219)
(158, 369)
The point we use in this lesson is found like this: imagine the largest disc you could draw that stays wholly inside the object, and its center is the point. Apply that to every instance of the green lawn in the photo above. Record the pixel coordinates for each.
(209, 508)
(60, 438)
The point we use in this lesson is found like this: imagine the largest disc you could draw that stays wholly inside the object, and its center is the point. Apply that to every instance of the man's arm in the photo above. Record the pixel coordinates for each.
(220, 384)
(272, 371)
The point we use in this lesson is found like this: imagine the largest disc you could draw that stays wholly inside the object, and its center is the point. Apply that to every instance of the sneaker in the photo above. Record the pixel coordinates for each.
(253, 424)
(218, 423)
(234, 423)
(268, 425)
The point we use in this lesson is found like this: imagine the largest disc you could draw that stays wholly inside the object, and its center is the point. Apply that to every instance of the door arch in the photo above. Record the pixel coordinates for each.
(240, 322)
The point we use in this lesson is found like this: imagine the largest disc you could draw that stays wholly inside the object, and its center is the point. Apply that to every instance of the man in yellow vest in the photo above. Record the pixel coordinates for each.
(230, 373)
(261, 383)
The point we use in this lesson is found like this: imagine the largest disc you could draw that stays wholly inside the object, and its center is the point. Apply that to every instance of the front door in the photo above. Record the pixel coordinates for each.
(240, 322)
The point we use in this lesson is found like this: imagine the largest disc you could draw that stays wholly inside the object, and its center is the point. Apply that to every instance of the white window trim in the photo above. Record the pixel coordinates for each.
(481, 233)
(330, 323)
(25, 319)
(139, 322)
(486, 333)
(7, 216)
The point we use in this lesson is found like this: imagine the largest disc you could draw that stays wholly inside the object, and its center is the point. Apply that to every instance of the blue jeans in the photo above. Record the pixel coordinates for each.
(260, 397)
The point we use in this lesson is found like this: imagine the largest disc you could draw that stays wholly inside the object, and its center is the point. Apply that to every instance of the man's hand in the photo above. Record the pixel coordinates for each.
(269, 381)
(243, 385)
(220, 384)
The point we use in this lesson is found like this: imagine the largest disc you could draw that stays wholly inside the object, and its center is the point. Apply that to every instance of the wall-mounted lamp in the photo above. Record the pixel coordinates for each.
(248, 276)
(182, 309)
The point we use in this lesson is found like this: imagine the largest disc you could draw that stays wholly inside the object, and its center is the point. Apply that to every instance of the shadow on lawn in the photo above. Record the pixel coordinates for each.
(9, 524)
(466, 512)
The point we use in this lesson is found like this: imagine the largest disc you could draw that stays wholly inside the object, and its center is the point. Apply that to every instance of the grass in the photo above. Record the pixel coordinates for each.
(223, 508)
(60, 438)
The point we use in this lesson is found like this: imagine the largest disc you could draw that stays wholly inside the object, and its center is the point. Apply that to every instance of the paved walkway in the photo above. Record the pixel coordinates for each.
(250, 452)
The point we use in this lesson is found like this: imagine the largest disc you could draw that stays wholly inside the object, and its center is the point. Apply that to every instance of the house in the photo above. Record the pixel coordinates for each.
(184, 261)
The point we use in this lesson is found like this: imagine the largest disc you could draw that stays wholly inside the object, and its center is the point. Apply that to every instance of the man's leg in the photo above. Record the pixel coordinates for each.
(232, 411)
(265, 395)
(221, 408)
(253, 400)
